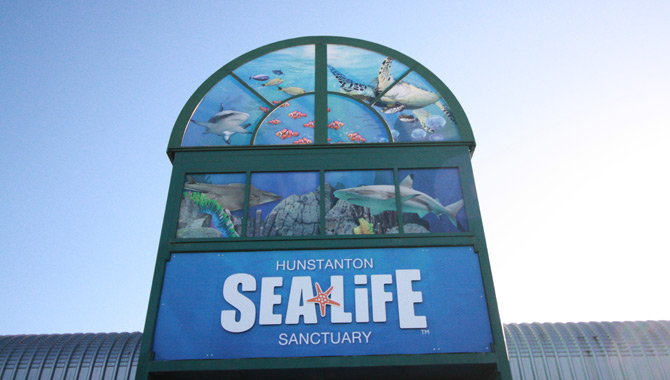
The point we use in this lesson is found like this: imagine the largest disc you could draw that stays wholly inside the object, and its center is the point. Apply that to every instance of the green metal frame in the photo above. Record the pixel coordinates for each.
(321, 157)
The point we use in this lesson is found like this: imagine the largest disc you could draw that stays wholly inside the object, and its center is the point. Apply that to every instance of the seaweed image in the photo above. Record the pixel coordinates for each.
(220, 218)
(364, 228)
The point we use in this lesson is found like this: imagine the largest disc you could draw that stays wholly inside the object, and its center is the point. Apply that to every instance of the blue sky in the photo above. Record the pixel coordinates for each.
(568, 102)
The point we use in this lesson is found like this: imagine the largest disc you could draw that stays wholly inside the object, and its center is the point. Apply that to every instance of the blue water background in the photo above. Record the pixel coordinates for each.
(297, 64)
(441, 184)
(234, 97)
(220, 179)
(188, 322)
(357, 119)
(267, 132)
(284, 184)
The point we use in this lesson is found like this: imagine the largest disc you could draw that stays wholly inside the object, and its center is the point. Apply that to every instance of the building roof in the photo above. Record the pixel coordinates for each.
(593, 350)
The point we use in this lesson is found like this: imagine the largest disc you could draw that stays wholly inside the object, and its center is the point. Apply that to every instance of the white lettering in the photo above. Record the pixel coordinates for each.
(379, 296)
(361, 299)
(337, 313)
(268, 300)
(301, 291)
(407, 297)
(243, 304)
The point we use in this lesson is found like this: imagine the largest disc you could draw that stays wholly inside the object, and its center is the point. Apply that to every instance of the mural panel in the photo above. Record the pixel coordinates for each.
(363, 203)
(227, 115)
(211, 206)
(434, 196)
(416, 112)
(281, 74)
(290, 122)
(351, 122)
(356, 71)
(292, 209)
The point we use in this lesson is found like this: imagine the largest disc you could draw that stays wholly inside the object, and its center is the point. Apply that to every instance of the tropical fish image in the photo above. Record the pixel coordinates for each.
(286, 133)
(335, 124)
(303, 140)
(274, 121)
(380, 198)
(231, 197)
(225, 123)
(273, 82)
(264, 109)
(277, 72)
(407, 118)
(259, 77)
(291, 90)
(285, 105)
(354, 136)
(296, 115)
(401, 96)
(309, 125)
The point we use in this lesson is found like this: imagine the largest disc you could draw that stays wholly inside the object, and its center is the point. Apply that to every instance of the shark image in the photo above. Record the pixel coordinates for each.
(380, 198)
(225, 123)
(231, 197)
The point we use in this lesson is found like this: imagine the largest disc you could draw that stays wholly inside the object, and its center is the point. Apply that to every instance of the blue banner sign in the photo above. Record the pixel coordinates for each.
(322, 303)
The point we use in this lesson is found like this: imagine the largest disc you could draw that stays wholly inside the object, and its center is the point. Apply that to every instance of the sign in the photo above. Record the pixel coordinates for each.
(322, 303)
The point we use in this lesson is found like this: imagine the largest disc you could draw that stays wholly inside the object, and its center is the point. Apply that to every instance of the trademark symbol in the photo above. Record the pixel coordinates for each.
(425, 332)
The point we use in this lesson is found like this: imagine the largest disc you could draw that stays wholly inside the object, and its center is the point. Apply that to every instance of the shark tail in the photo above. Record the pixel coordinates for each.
(452, 212)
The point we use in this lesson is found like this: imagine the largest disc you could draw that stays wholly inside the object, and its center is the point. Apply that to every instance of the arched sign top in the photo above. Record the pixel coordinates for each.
(320, 90)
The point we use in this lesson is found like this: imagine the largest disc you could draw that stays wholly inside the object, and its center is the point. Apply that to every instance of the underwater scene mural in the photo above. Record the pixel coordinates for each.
(412, 108)
(357, 202)
(227, 115)
(292, 122)
(434, 196)
(352, 122)
(362, 203)
(277, 91)
(281, 74)
(294, 212)
(211, 206)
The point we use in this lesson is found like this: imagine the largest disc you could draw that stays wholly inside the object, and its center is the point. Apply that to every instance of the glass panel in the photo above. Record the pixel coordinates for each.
(416, 112)
(432, 201)
(211, 206)
(281, 74)
(290, 123)
(362, 202)
(351, 122)
(294, 211)
(227, 115)
(355, 71)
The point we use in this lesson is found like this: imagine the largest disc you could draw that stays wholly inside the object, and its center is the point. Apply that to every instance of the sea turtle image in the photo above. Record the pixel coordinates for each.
(401, 96)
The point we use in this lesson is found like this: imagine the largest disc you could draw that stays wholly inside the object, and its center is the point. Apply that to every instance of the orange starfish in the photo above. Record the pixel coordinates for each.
(322, 299)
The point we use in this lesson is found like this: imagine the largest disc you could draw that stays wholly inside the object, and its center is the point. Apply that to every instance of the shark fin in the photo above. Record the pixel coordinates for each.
(245, 126)
(226, 137)
(408, 181)
(221, 107)
(339, 186)
(190, 179)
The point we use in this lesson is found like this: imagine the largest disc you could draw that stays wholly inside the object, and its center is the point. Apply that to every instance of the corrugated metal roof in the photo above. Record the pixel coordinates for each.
(593, 350)
(556, 351)
(69, 356)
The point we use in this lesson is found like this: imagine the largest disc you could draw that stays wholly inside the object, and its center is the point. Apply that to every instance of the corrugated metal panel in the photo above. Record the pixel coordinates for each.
(590, 351)
(69, 356)
(537, 351)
